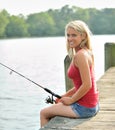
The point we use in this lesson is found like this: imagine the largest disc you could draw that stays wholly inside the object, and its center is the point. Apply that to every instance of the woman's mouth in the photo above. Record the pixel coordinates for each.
(71, 43)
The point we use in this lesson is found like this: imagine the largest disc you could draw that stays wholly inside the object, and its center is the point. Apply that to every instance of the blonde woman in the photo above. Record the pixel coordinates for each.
(82, 100)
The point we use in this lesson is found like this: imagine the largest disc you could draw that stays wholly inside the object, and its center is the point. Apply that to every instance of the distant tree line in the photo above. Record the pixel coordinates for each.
(52, 22)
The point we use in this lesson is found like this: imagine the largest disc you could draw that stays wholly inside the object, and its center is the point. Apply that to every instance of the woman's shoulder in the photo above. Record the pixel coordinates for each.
(84, 52)
(83, 56)
(81, 53)
(80, 57)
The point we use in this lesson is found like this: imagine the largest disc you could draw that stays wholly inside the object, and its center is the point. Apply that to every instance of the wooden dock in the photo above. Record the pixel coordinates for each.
(104, 120)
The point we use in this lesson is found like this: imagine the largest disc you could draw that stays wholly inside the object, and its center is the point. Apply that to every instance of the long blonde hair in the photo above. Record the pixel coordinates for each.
(81, 27)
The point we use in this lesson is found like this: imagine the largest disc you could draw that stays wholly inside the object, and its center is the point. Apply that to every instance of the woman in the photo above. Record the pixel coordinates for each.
(82, 100)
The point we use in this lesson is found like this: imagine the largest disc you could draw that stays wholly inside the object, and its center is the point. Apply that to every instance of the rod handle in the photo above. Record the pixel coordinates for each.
(49, 91)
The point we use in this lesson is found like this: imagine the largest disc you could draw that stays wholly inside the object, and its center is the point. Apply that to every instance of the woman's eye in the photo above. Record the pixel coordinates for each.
(71, 35)
(68, 35)
(74, 35)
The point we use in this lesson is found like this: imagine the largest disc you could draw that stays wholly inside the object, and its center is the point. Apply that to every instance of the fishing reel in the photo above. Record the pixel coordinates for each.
(50, 99)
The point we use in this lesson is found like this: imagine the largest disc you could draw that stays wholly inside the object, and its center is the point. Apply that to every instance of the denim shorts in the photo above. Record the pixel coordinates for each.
(84, 112)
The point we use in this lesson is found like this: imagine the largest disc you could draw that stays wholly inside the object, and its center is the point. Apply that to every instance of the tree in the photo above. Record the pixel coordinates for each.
(52, 22)
(40, 24)
(4, 19)
(17, 27)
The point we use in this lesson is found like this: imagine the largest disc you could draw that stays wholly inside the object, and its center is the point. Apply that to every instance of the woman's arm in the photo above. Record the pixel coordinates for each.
(69, 93)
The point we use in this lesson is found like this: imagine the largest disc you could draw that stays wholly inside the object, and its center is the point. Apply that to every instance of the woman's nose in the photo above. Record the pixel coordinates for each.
(70, 38)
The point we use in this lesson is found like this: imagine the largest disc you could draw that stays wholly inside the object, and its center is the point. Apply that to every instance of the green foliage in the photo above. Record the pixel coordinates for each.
(3, 22)
(40, 24)
(16, 27)
(52, 22)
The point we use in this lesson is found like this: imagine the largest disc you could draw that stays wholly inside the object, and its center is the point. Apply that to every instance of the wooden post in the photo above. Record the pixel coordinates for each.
(109, 55)
(68, 82)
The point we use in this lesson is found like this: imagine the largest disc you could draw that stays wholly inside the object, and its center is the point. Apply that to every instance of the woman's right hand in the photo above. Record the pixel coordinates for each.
(57, 100)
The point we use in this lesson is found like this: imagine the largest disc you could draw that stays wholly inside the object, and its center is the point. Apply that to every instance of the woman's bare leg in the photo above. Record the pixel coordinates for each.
(56, 110)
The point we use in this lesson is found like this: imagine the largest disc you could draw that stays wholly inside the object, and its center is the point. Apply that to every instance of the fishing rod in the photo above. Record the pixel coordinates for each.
(49, 99)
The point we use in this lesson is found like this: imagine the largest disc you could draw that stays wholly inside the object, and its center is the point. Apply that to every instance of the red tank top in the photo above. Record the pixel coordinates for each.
(90, 99)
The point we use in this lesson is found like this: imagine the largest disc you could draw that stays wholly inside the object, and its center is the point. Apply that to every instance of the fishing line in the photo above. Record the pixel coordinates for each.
(49, 99)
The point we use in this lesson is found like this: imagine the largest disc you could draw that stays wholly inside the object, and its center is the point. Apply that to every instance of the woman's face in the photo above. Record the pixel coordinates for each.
(74, 38)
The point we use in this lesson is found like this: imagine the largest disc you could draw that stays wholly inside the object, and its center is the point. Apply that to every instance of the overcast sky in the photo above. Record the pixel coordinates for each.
(26, 7)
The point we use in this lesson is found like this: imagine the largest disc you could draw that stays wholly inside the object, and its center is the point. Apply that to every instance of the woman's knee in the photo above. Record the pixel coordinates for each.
(42, 113)
(45, 113)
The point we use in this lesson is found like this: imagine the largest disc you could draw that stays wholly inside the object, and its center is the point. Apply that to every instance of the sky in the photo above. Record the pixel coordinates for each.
(25, 7)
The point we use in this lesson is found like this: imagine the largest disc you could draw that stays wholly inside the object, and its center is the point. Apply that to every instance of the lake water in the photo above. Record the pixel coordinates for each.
(41, 60)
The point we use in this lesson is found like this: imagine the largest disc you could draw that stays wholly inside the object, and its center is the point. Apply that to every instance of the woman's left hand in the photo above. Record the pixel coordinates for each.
(66, 100)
